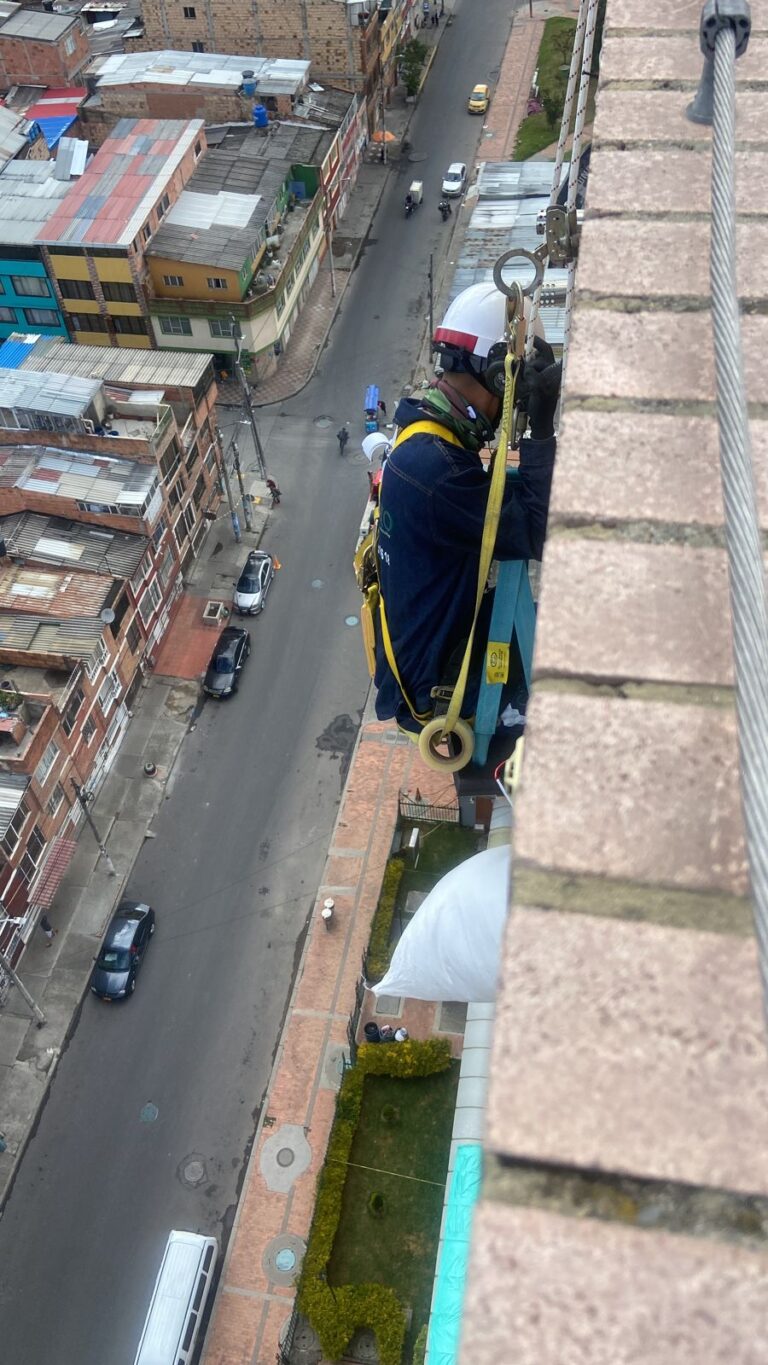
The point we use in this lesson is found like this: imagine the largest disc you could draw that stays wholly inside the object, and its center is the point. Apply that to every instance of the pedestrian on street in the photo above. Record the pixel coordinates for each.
(48, 929)
(435, 17)
(274, 491)
(425, 9)
(382, 408)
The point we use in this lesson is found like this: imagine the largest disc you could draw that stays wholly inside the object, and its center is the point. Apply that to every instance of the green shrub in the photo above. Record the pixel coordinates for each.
(379, 950)
(420, 1346)
(336, 1315)
(376, 1204)
(390, 1115)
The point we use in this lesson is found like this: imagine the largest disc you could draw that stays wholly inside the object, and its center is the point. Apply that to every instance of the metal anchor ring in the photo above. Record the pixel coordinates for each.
(508, 289)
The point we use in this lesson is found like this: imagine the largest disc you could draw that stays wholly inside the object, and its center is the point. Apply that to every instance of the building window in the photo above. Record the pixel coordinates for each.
(173, 281)
(219, 327)
(129, 326)
(11, 836)
(216, 282)
(167, 569)
(133, 637)
(170, 460)
(159, 532)
(69, 44)
(280, 305)
(175, 327)
(77, 289)
(198, 47)
(7, 314)
(210, 458)
(39, 317)
(198, 149)
(87, 322)
(109, 692)
(100, 656)
(163, 206)
(140, 575)
(190, 12)
(47, 761)
(189, 517)
(174, 495)
(89, 730)
(32, 853)
(30, 286)
(146, 232)
(150, 602)
(55, 799)
(70, 714)
(119, 293)
(180, 532)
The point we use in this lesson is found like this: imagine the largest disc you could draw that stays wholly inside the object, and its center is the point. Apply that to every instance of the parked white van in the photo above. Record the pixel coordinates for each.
(178, 1300)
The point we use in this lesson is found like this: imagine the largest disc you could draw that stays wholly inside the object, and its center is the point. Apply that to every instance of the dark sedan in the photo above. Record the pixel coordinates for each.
(122, 951)
(232, 649)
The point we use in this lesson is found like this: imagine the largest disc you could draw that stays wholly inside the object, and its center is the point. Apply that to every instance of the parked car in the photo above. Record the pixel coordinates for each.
(479, 99)
(232, 649)
(252, 586)
(122, 951)
(455, 178)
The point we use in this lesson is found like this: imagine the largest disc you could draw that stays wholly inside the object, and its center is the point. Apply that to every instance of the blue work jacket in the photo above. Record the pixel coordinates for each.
(432, 508)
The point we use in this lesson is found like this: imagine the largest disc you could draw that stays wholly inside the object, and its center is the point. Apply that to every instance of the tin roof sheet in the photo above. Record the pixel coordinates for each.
(74, 639)
(36, 391)
(123, 182)
(62, 543)
(30, 192)
(12, 789)
(79, 477)
(37, 26)
(180, 369)
(272, 75)
(15, 350)
(52, 592)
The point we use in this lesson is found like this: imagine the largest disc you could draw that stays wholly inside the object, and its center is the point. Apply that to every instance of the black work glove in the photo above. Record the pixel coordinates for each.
(538, 389)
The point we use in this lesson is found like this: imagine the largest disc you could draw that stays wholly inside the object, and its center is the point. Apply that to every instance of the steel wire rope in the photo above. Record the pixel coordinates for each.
(742, 531)
(565, 123)
(573, 171)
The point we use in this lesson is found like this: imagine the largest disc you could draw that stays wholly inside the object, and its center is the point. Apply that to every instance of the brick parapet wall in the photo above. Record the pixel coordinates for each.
(624, 1214)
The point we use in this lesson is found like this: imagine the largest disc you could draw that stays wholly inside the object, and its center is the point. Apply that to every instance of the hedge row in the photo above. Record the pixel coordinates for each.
(337, 1315)
(379, 953)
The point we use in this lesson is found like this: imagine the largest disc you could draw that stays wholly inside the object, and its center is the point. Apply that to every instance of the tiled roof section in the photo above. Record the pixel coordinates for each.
(79, 477)
(51, 592)
(72, 544)
(72, 639)
(182, 369)
(130, 172)
(12, 789)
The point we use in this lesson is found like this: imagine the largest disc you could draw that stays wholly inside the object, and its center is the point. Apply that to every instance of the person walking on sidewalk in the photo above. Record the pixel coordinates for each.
(48, 929)
(342, 436)
(382, 408)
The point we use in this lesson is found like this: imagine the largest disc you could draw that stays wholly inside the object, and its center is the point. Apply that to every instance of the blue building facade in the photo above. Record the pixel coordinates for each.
(27, 299)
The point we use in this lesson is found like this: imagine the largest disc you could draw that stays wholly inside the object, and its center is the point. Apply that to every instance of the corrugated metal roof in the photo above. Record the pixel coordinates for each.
(177, 369)
(12, 789)
(12, 134)
(55, 540)
(30, 193)
(73, 639)
(273, 75)
(71, 544)
(15, 350)
(95, 479)
(52, 592)
(38, 27)
(64, 394)
(122, 184)
(224, 184)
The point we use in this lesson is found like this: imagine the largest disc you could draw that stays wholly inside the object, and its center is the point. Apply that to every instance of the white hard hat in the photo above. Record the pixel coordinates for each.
(375, 445)
(476, 321)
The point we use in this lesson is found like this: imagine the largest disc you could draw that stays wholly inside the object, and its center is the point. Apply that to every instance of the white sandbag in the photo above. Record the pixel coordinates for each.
(452, 947)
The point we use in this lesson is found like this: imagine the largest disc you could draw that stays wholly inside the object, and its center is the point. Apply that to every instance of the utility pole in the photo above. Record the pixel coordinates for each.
(83, 798)
(244, 496)
(382, 108)
(19, 984)
(329, 247)
(221, 461)
(237, 333)
(431, 300)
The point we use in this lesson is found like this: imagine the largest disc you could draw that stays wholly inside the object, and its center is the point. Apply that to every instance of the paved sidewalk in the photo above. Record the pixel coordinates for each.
(255, 1298)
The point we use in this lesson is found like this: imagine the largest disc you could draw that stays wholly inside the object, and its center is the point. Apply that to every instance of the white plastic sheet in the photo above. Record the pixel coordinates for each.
(452, 947)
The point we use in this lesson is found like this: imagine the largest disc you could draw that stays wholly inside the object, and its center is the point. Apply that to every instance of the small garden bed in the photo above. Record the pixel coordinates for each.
(538, 131)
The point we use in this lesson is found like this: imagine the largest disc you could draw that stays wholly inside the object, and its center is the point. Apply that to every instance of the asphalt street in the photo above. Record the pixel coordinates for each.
(154, 1104)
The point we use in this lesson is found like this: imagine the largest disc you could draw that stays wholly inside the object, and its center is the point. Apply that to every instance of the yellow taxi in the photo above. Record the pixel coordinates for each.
(479, 99)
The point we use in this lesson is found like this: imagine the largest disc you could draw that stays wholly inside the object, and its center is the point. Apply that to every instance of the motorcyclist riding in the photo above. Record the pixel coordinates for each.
(445, 209)
(409, 204)
(433, 498)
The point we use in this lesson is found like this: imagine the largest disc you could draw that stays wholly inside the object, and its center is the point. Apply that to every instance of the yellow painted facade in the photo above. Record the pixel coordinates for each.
(113, 269)
(195, 279)
(134, 343)
(80, 305)
(69, 267)
(92, 338)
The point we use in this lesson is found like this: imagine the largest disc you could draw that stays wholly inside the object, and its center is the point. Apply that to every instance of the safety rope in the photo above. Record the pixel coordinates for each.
(565, 124)
(573, 172)
(742, 531)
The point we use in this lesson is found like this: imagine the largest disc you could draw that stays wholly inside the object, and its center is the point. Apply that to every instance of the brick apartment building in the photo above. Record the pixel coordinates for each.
(342, 41)
(95, 240)
(187, 85)
(42, 49)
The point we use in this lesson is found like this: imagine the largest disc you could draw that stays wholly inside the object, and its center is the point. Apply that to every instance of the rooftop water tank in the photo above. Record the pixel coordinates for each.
(249, 83)
(260, 116)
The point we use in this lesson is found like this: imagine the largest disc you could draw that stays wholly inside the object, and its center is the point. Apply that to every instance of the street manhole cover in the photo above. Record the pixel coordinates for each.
(285, 1157)
(415, 157)
(350, 621)
(285, 1260)
(149, 1113)
(316, 583)
(323, 421)
(192, 1170)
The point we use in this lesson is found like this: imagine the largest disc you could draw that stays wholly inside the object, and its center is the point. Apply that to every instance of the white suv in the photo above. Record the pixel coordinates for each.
(455, 179)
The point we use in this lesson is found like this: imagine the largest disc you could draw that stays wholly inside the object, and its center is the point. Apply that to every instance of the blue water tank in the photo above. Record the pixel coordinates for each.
(249, 83)
(260, 116)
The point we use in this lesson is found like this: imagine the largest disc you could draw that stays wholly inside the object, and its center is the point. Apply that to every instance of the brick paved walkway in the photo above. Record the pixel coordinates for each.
(510, 101)
(277, 1201)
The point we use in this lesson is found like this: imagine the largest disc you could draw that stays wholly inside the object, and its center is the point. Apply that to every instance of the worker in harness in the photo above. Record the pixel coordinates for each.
(433, 498)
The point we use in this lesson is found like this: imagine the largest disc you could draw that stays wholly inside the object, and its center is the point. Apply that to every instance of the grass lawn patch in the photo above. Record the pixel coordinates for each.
(538, 130)
(397, 1245)
(442, 848)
